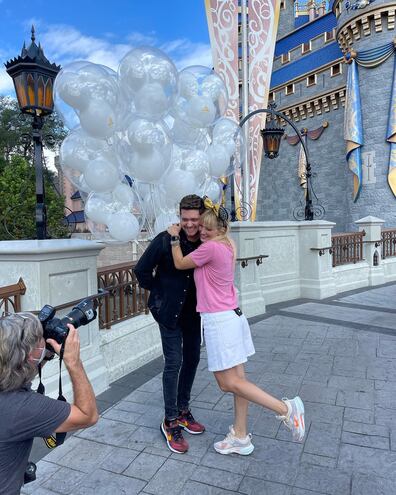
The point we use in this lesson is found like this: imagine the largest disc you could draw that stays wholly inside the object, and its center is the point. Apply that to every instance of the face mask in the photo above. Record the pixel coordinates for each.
(43, 353)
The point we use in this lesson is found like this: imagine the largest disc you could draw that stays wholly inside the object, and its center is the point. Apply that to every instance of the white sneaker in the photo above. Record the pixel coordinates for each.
(294, 419)
(233, 445)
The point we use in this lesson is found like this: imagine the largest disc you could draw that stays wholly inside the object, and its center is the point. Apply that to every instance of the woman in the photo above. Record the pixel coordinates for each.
(226, 330)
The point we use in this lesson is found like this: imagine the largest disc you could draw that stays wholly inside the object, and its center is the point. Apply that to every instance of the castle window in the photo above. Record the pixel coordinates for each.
(289, 90)
(285, 58)
(311, 80)
(338, 9)
(329, 36)
(283, 4)
(335, 70)
(306, 47)
(271, 96)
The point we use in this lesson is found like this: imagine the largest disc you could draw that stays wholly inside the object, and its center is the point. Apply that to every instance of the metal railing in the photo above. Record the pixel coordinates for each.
(347, 247)
(388, 237)
(10, 297)
(125, 298)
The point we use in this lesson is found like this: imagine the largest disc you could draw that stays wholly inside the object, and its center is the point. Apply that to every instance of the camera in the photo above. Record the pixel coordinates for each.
(57, 329)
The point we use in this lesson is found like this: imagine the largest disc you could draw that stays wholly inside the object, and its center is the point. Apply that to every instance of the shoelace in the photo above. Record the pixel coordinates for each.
(189, 417)
(176, 432)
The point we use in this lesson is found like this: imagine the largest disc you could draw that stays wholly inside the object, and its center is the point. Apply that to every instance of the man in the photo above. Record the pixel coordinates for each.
(172, 303)
(26, 414)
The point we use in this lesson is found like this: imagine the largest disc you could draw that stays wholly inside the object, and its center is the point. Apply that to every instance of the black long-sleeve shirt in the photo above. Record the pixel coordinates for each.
(172, 291)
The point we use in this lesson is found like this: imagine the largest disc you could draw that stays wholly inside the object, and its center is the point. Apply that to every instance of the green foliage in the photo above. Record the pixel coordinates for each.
(14, 124)
(18, 202)
(17, 175)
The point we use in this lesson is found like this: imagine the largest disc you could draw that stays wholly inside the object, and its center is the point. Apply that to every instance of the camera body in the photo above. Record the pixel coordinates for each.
(56, 328)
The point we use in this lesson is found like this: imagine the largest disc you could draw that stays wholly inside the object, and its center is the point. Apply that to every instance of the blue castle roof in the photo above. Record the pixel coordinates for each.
(305, 33)
(305, 64)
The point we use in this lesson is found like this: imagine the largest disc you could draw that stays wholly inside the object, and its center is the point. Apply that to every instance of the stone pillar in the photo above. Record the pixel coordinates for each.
(247, 280)
(372, 248)
(311, 10)
(316, 272)
(55, 272)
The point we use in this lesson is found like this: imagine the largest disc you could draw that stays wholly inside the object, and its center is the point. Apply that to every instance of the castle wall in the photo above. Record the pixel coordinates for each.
(310, 106)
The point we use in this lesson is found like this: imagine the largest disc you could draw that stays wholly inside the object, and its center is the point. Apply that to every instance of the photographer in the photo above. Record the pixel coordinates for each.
(26, 414)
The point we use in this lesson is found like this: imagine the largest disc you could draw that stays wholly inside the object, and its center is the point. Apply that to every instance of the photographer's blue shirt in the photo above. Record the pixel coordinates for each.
(24, 415)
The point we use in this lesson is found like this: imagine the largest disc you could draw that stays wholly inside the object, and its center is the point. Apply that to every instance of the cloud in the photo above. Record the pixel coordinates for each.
(185, 53)
(64, 44)
(6, 84)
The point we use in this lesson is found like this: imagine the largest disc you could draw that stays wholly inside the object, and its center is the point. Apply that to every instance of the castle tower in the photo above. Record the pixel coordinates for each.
(309, 83)
(363, 25)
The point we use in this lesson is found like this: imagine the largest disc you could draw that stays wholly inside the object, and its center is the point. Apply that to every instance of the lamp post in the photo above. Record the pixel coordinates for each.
(272, 136)
(33, 76)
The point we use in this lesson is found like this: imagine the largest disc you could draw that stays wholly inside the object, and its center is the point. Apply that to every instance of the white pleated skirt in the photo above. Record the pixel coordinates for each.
(227, 338)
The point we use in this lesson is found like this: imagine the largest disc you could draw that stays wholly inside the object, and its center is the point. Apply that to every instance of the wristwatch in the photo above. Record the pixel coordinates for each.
(175, 240)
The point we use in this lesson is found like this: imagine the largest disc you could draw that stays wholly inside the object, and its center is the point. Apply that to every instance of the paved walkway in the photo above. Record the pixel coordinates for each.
(338, 354)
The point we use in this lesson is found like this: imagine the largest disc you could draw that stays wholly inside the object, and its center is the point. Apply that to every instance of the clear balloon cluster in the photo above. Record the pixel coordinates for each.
(143, 138)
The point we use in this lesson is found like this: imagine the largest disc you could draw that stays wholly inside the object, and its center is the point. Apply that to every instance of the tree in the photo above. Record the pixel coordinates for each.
(18, 202)
(17, 175)
(14, 125)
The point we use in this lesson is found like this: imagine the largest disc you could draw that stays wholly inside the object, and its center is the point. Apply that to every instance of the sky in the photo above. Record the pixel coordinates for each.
(103, 31)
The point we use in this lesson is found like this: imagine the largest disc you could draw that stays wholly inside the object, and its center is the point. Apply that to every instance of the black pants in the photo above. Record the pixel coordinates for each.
(181, 347)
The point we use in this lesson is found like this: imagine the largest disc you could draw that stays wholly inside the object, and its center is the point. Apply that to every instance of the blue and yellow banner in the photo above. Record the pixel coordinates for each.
(353, 128)
(391, 136)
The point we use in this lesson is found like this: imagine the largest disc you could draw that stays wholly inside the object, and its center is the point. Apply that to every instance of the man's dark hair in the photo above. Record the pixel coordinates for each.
(192, 202)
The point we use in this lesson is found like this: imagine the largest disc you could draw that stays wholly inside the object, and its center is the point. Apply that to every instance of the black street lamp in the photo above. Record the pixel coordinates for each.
(33, 76)
(272, 136)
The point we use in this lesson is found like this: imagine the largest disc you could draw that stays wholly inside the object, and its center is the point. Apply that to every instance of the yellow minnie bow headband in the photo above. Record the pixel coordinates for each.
(218, 210)
(209, 205)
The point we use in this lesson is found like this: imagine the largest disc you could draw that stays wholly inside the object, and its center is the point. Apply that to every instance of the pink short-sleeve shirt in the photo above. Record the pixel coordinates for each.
(214, 277)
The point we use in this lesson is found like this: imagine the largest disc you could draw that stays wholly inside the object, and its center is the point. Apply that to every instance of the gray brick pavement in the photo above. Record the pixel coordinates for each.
(342, 363)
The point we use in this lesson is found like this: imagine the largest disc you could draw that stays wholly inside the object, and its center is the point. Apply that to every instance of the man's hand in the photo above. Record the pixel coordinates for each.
(174, 229)
(71, 353)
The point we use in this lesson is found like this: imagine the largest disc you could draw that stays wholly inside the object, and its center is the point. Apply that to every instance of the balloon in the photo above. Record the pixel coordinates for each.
(164, 220)
(98, 119)
(70, 90)
(148, 167)
(227, 132)
(200, 111)
(78, 149)
(202, 97)
(148, 65)
(124, 195)
(98, 208)
(213, 190)
(187, 136)
(188, 85)
(219, 160)
(197, 162)
(212, 86)
(151, 101)
(179, 183)
(123, 226)
(143, 134)
(101, 175)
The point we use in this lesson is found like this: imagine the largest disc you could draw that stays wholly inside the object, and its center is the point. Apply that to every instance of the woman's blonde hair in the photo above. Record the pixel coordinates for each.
(211, 220)
(20, 333)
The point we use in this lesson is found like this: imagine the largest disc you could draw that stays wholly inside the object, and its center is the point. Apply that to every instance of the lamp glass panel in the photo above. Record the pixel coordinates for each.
(19, 82)
(30, 85)
(48, 101)
(40, 92)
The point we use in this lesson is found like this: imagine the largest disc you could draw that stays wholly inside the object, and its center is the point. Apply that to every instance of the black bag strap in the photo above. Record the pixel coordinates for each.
(54, 440)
